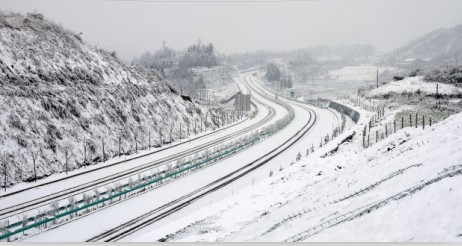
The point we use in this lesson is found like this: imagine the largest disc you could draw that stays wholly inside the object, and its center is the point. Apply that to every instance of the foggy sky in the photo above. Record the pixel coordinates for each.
(131, 28)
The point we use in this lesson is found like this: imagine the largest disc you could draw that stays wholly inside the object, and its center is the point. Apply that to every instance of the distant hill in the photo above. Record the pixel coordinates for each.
(439, 47)
(57, 92)
(192, 70)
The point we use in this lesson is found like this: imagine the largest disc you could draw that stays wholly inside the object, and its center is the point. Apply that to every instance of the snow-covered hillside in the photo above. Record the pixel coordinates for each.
(59, 94)
(413, 85)
(439, 46)
(404, 188)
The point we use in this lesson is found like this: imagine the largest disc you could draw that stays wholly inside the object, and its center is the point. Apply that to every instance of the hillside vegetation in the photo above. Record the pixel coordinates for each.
(59, 94)
(442, 46)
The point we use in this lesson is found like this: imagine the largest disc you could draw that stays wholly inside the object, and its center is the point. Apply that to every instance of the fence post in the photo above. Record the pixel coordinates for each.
(394, 126)
(410, 120)
(402, 122)
(386, 131)
(376, 136)
(368, 138)
(104, 155)
(430, 121)
(416, 122)
(423, 122)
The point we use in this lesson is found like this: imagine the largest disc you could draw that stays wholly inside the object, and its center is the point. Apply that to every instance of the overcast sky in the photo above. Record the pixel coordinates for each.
(132, 27)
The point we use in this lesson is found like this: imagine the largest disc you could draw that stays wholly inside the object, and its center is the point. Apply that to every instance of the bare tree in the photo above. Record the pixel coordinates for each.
(67, 148)
(97, 195)
(24, 221)
(71, 201)
(87, 199)
(54, 208)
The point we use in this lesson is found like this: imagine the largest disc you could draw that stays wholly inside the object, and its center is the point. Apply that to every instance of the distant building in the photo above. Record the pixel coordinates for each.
(242, 102)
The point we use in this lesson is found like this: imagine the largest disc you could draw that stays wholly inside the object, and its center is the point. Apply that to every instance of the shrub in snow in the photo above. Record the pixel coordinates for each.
(449, 75)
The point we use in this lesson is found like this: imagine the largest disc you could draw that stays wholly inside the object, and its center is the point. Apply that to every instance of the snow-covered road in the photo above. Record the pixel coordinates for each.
(326, 120)
(95, 173)
(112, 216)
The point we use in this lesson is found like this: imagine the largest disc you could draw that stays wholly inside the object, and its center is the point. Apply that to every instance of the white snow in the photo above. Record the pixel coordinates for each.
(310, 194)
(112, 216)
(363, 73)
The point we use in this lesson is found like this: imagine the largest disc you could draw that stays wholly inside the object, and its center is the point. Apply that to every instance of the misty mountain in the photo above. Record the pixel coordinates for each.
(61, 97)
(439, 47)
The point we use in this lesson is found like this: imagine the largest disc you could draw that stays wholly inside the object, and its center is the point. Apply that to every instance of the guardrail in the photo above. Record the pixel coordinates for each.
(353, 114)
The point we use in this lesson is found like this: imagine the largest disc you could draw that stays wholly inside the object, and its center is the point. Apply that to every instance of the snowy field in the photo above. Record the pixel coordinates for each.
(317, 185)
(358, 73)
(404, 188)
(207, 205)
(414, 84)
(341, 82)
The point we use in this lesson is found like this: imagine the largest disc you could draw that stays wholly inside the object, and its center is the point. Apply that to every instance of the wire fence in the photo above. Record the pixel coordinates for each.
(378, 128)
(366, 104)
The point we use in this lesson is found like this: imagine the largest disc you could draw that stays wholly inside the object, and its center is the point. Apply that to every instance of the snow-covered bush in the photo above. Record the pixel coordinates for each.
(449, 75)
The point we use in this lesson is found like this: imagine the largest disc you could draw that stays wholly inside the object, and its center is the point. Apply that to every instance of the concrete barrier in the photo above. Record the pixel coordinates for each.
(353, 114)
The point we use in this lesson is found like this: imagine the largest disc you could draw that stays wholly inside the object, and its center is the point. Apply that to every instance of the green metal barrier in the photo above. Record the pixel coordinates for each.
(102, 200)
(46, 219)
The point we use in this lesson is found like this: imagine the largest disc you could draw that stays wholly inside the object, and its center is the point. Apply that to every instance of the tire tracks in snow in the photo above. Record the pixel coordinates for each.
(357, 213)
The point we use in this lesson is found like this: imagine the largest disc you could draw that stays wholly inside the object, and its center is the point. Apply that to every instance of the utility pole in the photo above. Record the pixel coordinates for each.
(377, 78)
(436, 91)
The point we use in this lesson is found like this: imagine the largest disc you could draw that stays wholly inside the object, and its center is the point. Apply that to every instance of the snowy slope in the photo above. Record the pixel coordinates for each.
(57, 92)
(404, 188)
(414, 84)
(437, 46)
